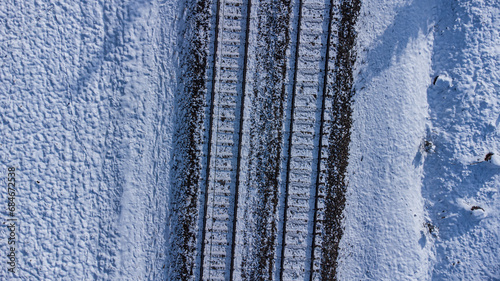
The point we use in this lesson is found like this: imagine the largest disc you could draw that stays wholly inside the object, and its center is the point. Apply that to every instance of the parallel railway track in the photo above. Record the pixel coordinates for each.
(224, 141)
(299, 244)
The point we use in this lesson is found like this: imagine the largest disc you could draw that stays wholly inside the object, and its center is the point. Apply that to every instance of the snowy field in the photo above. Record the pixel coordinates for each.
(250, 140)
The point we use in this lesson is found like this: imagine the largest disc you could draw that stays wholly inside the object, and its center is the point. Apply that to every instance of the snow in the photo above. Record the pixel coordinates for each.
(462, 122)
(85, 121)
(384, 218)
(494, 160)
(87, 118)
(431, 77)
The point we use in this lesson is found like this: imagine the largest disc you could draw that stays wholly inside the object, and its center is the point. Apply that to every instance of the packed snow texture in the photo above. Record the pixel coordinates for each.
(86, 105)
(87, 117)
(422, 202)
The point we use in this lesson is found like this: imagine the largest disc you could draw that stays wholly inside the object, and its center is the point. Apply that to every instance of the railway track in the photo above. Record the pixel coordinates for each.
(300, 254)
(222, 174)
(301, 212)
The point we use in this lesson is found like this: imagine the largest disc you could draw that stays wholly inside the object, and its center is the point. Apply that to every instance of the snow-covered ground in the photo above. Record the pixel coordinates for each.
(86, 104)
(88, 111)
(426, 110)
